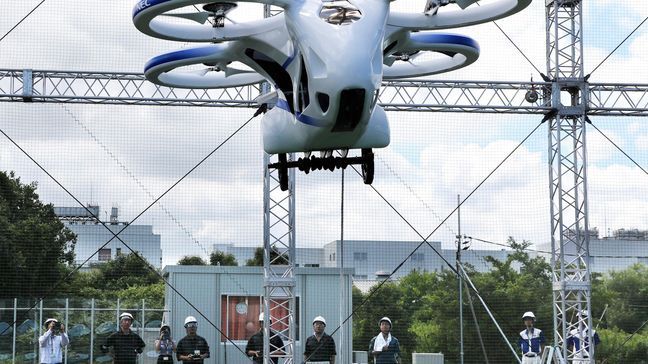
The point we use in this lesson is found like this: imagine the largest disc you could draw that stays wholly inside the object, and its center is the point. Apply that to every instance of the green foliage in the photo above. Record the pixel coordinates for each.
(621, 347)
(220, 258)
(424, 307)
(192, 260)
(627, 293)
(152, 294)
(257, 259)
(36, 249)
(125, 271)
(126, 277)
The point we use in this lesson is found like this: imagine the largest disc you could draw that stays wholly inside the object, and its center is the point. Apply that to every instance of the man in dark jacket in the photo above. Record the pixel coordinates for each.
(254, 347)
(192, 348)
(125, 344)
(319, 346)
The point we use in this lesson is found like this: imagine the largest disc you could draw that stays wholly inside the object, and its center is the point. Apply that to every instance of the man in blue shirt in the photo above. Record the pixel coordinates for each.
(578, 342)
(531, 340)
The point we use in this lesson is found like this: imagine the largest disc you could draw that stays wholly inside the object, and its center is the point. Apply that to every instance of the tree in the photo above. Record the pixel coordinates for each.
(220, 258)
(36, 249)
(257, 259)
(626, 293)
(192, 260)
(125, 271)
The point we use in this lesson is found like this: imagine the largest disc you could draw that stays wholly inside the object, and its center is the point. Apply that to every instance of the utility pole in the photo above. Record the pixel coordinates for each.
(460, 276)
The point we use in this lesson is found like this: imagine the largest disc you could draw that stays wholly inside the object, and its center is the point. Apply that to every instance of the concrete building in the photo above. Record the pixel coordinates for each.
(91, 235)
(230, 298)
(306, 257)
(624, 248)
(375, 259)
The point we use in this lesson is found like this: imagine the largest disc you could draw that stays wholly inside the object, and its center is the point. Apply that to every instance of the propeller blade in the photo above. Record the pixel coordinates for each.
(389, 61)
(200, 72)
(230, 71)
(465, 3)
(200, 17)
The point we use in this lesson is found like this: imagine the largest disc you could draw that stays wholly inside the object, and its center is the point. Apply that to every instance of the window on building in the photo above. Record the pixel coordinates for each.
(360, 257)
(104, 255)
(418, 257)
(240, 316)
(118, 252)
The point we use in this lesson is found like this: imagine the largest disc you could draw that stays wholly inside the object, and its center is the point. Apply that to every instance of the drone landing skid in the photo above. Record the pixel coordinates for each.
(331, 163)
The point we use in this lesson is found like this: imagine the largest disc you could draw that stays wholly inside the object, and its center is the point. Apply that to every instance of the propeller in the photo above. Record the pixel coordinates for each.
(199, 17)
(217, 10)
(220, 67)
(433, 6)
(340, 12)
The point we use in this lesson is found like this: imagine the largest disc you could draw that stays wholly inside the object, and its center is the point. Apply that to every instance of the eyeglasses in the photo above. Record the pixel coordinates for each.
(191, 325)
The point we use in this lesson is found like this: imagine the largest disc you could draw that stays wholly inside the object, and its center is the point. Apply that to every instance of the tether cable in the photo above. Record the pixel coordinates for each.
(618, 148)
(617, 47)
(21, 20)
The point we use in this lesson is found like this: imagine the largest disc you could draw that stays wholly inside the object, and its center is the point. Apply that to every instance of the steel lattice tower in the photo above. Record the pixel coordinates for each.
(568, 175)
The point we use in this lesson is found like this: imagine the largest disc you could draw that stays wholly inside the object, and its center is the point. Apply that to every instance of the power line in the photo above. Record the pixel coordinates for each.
(618, 147)
(617, 47)
(515, 45)
(21, 20)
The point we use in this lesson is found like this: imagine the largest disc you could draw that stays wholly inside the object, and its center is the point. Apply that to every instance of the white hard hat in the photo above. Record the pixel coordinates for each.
(50, 320)
(528, 314)
(385, 319)
(189, 320)
(319, 319)
(125, 315)
(583, 313)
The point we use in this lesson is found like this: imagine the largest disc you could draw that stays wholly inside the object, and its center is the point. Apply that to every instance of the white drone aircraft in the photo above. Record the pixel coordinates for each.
(325, 59)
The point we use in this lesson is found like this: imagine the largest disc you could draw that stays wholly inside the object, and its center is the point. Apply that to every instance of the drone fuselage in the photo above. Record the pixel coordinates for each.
(336, 72)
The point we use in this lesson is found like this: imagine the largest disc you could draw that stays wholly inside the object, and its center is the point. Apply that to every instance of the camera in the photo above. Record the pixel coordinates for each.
(56, 327)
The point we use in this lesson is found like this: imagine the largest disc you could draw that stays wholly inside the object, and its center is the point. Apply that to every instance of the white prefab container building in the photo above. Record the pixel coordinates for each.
(229, 299)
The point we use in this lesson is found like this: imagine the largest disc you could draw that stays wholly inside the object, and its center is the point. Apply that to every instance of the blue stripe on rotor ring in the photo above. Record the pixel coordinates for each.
(145, 4)
(304, 119)
(435, 38)
(180, 55)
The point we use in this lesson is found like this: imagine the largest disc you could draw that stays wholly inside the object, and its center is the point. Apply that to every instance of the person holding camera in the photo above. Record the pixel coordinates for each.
(165, 346)
(192, 348)
(52, 342)
(126, 344)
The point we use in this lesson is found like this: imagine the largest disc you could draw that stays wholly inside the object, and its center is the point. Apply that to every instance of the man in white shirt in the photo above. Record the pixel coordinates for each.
(52, 342)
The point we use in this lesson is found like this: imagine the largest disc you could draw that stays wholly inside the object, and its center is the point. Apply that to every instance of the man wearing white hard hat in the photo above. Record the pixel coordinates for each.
(254, 347)
(384, 348)
(578, 341)
(192, 348)
(320, 347)
(125, 344)
(52, 342)
(531, 340)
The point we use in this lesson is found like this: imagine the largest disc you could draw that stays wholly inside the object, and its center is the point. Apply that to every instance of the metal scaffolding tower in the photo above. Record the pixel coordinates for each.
(568, 178)
(566, 98)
